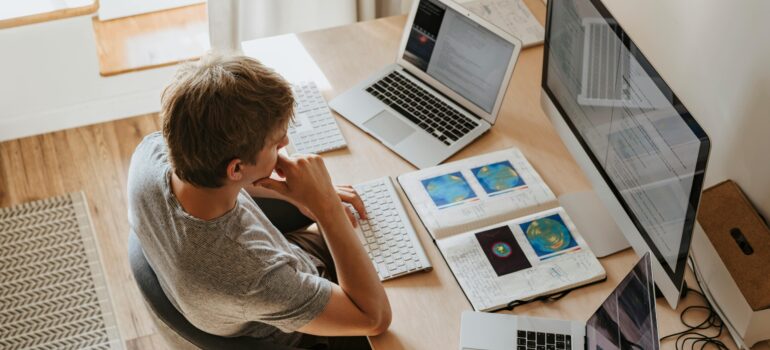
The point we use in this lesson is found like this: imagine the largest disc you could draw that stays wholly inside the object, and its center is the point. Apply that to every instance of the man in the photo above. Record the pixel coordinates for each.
(218, 258)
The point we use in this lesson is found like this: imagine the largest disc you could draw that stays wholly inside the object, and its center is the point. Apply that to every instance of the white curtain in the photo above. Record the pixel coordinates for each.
(234, 21)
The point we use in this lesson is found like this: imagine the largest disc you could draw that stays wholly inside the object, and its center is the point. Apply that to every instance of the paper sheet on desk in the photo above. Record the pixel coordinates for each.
(513, 16)
(287, 55)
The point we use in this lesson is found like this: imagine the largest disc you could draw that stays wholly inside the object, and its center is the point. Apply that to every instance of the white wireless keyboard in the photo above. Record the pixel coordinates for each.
(388, 235)
(314, 129)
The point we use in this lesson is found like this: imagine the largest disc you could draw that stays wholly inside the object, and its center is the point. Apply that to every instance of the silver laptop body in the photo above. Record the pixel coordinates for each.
(452, 70)
(490, 331)
(625, 320)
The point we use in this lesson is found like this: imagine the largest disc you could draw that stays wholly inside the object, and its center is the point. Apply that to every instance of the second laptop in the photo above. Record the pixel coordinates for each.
(445, 89)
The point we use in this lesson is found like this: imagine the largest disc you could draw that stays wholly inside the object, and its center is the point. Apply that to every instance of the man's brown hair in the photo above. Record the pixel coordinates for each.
(218, 109)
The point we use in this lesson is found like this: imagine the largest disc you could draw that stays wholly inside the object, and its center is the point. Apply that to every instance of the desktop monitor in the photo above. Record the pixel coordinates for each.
(643, 152)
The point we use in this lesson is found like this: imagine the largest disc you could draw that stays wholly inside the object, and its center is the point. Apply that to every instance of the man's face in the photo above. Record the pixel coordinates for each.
(267, 157)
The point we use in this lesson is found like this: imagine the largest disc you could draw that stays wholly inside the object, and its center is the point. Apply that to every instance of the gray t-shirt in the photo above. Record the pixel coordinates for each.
(231, 276)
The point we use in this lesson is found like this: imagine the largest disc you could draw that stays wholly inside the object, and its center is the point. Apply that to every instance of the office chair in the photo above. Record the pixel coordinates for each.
(173, 319)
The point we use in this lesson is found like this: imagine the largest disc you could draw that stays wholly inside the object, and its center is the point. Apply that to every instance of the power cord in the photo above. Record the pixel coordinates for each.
(694, 335)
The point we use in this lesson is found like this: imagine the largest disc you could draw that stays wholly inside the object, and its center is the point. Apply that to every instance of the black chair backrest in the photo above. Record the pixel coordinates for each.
(166, 312)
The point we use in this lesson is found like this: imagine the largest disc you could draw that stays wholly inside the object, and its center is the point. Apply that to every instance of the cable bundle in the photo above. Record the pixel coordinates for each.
(694, 335)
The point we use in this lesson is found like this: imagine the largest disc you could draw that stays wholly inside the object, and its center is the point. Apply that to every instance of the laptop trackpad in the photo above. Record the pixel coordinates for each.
(388, 127)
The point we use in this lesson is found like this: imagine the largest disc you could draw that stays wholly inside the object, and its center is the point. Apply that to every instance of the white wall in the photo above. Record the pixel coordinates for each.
(273, 17)
(49, 80)
(234, 21)
(715, 55)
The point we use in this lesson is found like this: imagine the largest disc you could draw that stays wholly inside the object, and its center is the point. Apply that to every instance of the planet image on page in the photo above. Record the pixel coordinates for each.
(498, 177)
(450, 189)
(548, 236)
(502, 250)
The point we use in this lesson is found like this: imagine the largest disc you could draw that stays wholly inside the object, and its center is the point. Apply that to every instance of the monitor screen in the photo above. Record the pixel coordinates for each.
(461, 54)
(644, 142)
(627, 320)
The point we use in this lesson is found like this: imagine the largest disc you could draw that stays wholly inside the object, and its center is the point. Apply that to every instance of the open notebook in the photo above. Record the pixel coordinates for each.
(500, 229)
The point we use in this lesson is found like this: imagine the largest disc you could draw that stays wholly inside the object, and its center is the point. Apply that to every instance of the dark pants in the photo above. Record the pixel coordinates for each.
(293, 224)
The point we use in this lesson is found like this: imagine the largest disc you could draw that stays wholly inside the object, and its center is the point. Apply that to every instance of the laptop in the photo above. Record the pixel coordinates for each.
(626, 320)
(445, 89)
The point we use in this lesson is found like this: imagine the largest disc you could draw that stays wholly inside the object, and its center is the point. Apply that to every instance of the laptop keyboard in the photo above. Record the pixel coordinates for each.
(528, 340)
(422, 108)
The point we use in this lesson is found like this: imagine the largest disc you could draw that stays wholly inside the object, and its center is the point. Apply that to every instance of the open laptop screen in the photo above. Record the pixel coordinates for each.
(461, 54)
(626, 320)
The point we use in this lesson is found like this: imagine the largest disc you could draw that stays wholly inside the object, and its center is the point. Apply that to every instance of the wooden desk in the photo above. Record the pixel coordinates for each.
(427, 306)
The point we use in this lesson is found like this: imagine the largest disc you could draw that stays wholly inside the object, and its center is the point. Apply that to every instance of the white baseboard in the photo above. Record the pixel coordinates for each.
(93, 112)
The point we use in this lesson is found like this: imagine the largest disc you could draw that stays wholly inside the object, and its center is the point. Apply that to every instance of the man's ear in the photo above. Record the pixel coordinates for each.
(234, 170)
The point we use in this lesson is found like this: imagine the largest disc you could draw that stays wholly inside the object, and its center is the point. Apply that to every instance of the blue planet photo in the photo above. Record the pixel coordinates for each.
(548, 236)
(498, 177)
(449, 189)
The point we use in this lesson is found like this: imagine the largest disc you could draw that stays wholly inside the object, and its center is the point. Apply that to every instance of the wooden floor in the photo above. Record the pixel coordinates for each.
(93, 159)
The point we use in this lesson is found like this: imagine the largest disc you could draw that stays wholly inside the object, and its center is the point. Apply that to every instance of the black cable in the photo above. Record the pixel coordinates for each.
(544, 298)
(694, 333)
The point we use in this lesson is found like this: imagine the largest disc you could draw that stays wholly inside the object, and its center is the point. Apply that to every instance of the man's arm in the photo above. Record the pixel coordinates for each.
(358, 305)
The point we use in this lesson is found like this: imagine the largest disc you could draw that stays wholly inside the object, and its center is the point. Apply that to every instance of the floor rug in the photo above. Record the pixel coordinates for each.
(53, 293)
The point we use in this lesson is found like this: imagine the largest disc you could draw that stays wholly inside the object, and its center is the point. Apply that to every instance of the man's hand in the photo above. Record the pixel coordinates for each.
(349, 195)
(346, 193)
(307, 185)
(305, 180)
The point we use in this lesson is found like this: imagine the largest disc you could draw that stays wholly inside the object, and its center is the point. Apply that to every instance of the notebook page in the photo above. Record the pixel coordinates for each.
(463, 195)
(520, 259)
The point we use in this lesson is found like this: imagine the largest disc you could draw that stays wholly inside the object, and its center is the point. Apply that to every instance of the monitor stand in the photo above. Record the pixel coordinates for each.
(682, 293)
(594, 222)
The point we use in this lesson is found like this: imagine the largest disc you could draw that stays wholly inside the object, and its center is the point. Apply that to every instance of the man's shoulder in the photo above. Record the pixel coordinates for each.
(151, 145)
(148, 166)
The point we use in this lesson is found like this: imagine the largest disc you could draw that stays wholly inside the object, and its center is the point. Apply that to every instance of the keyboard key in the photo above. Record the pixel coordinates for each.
(550, 338)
